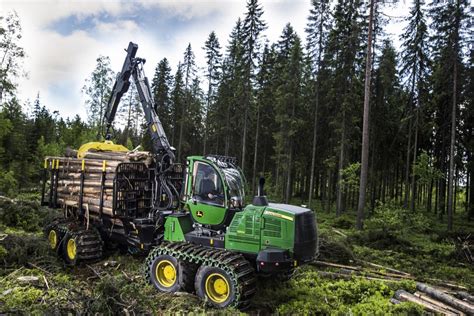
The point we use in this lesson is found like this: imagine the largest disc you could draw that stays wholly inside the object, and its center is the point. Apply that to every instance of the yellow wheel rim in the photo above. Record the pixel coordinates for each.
(71, 249)
(165, 273)
(217, 288)
(53, 239)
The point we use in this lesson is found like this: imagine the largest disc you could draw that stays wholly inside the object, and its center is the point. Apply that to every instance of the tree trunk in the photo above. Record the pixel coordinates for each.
(313, 150)
(365, 129)
(244, 134)
(339, 188)
(453, 139)
(413, 175)
(255, 151)
(470, 213)
(429, 197)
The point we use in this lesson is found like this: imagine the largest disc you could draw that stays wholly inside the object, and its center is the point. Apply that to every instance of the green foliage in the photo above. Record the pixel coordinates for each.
(25, 215)
(12, 53)
(350, 176)
(8, 183)
(344, 221)
(395, 219)
(424, 169)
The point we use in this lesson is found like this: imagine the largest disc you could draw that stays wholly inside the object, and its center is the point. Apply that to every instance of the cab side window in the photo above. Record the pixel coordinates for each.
(208, 187)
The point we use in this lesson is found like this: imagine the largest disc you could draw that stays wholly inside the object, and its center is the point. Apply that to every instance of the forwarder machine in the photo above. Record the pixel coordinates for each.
(195, 228)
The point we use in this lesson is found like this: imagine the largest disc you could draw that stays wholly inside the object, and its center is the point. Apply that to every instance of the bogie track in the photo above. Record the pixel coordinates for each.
(74, 244)
(233, 267)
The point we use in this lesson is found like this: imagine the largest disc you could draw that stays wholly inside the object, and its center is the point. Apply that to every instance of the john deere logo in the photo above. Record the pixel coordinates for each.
(199, 214)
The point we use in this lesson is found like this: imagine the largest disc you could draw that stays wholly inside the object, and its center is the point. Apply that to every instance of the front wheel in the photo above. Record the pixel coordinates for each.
(164, 272)
(215, 285)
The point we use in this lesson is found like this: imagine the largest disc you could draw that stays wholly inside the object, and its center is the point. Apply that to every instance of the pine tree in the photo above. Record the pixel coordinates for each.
(365, 132)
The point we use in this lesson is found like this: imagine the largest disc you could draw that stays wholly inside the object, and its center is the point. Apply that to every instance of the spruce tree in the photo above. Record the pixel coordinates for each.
(189, 71)
(161, 89)
(448, 21)
(214, 59)
(415, 65)
(317, 29)
(252, 27)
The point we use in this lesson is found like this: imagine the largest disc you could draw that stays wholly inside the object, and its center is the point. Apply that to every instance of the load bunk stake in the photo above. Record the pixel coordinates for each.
(51, 185)
(102, 184)
(81, 190)
(56, 182)
(43, 180)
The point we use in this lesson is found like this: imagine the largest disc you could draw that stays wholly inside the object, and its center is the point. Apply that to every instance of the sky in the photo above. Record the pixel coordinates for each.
(63, 38)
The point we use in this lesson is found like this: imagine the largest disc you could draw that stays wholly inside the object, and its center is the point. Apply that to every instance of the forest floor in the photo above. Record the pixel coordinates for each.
(33, 280)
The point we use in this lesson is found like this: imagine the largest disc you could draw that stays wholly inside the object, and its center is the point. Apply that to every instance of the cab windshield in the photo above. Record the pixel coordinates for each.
(235, 183)
(234, 180)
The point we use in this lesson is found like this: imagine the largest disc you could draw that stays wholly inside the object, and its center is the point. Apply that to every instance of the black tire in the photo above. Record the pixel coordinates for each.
(56, 228)
(69, 238)
(81, 246)
(54, 237)
(160, 272)
(218, 295)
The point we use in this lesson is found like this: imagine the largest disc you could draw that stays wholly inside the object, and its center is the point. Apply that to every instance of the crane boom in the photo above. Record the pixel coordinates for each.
(133, 67)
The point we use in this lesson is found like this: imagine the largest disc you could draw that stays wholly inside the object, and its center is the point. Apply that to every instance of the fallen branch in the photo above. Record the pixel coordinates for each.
(95, 272)
(374, 265)
(37, 267)
(360, 269)
(336, 275)
(339, 232)
(46, 282)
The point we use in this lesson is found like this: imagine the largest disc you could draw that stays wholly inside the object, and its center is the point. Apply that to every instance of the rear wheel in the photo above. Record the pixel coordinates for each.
(53, 239)
(55, 232)
(215, 285)
(81, 245)
(70, 249)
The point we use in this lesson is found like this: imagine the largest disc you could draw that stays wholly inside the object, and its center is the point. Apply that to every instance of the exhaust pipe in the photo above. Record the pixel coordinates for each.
(260, 199)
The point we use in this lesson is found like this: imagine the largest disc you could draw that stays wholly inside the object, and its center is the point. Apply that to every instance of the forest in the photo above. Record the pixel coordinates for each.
(291, 111)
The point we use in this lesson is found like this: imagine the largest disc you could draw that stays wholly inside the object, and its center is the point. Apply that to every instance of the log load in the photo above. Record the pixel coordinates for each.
(95, 172)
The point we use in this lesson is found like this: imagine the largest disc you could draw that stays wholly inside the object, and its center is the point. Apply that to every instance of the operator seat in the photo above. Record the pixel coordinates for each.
(207, 186)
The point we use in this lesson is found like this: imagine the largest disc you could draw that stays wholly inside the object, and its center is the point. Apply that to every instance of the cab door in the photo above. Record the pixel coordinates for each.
(207, 198)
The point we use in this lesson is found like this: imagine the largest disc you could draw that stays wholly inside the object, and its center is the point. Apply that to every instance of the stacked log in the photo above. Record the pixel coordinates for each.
(96, 171)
